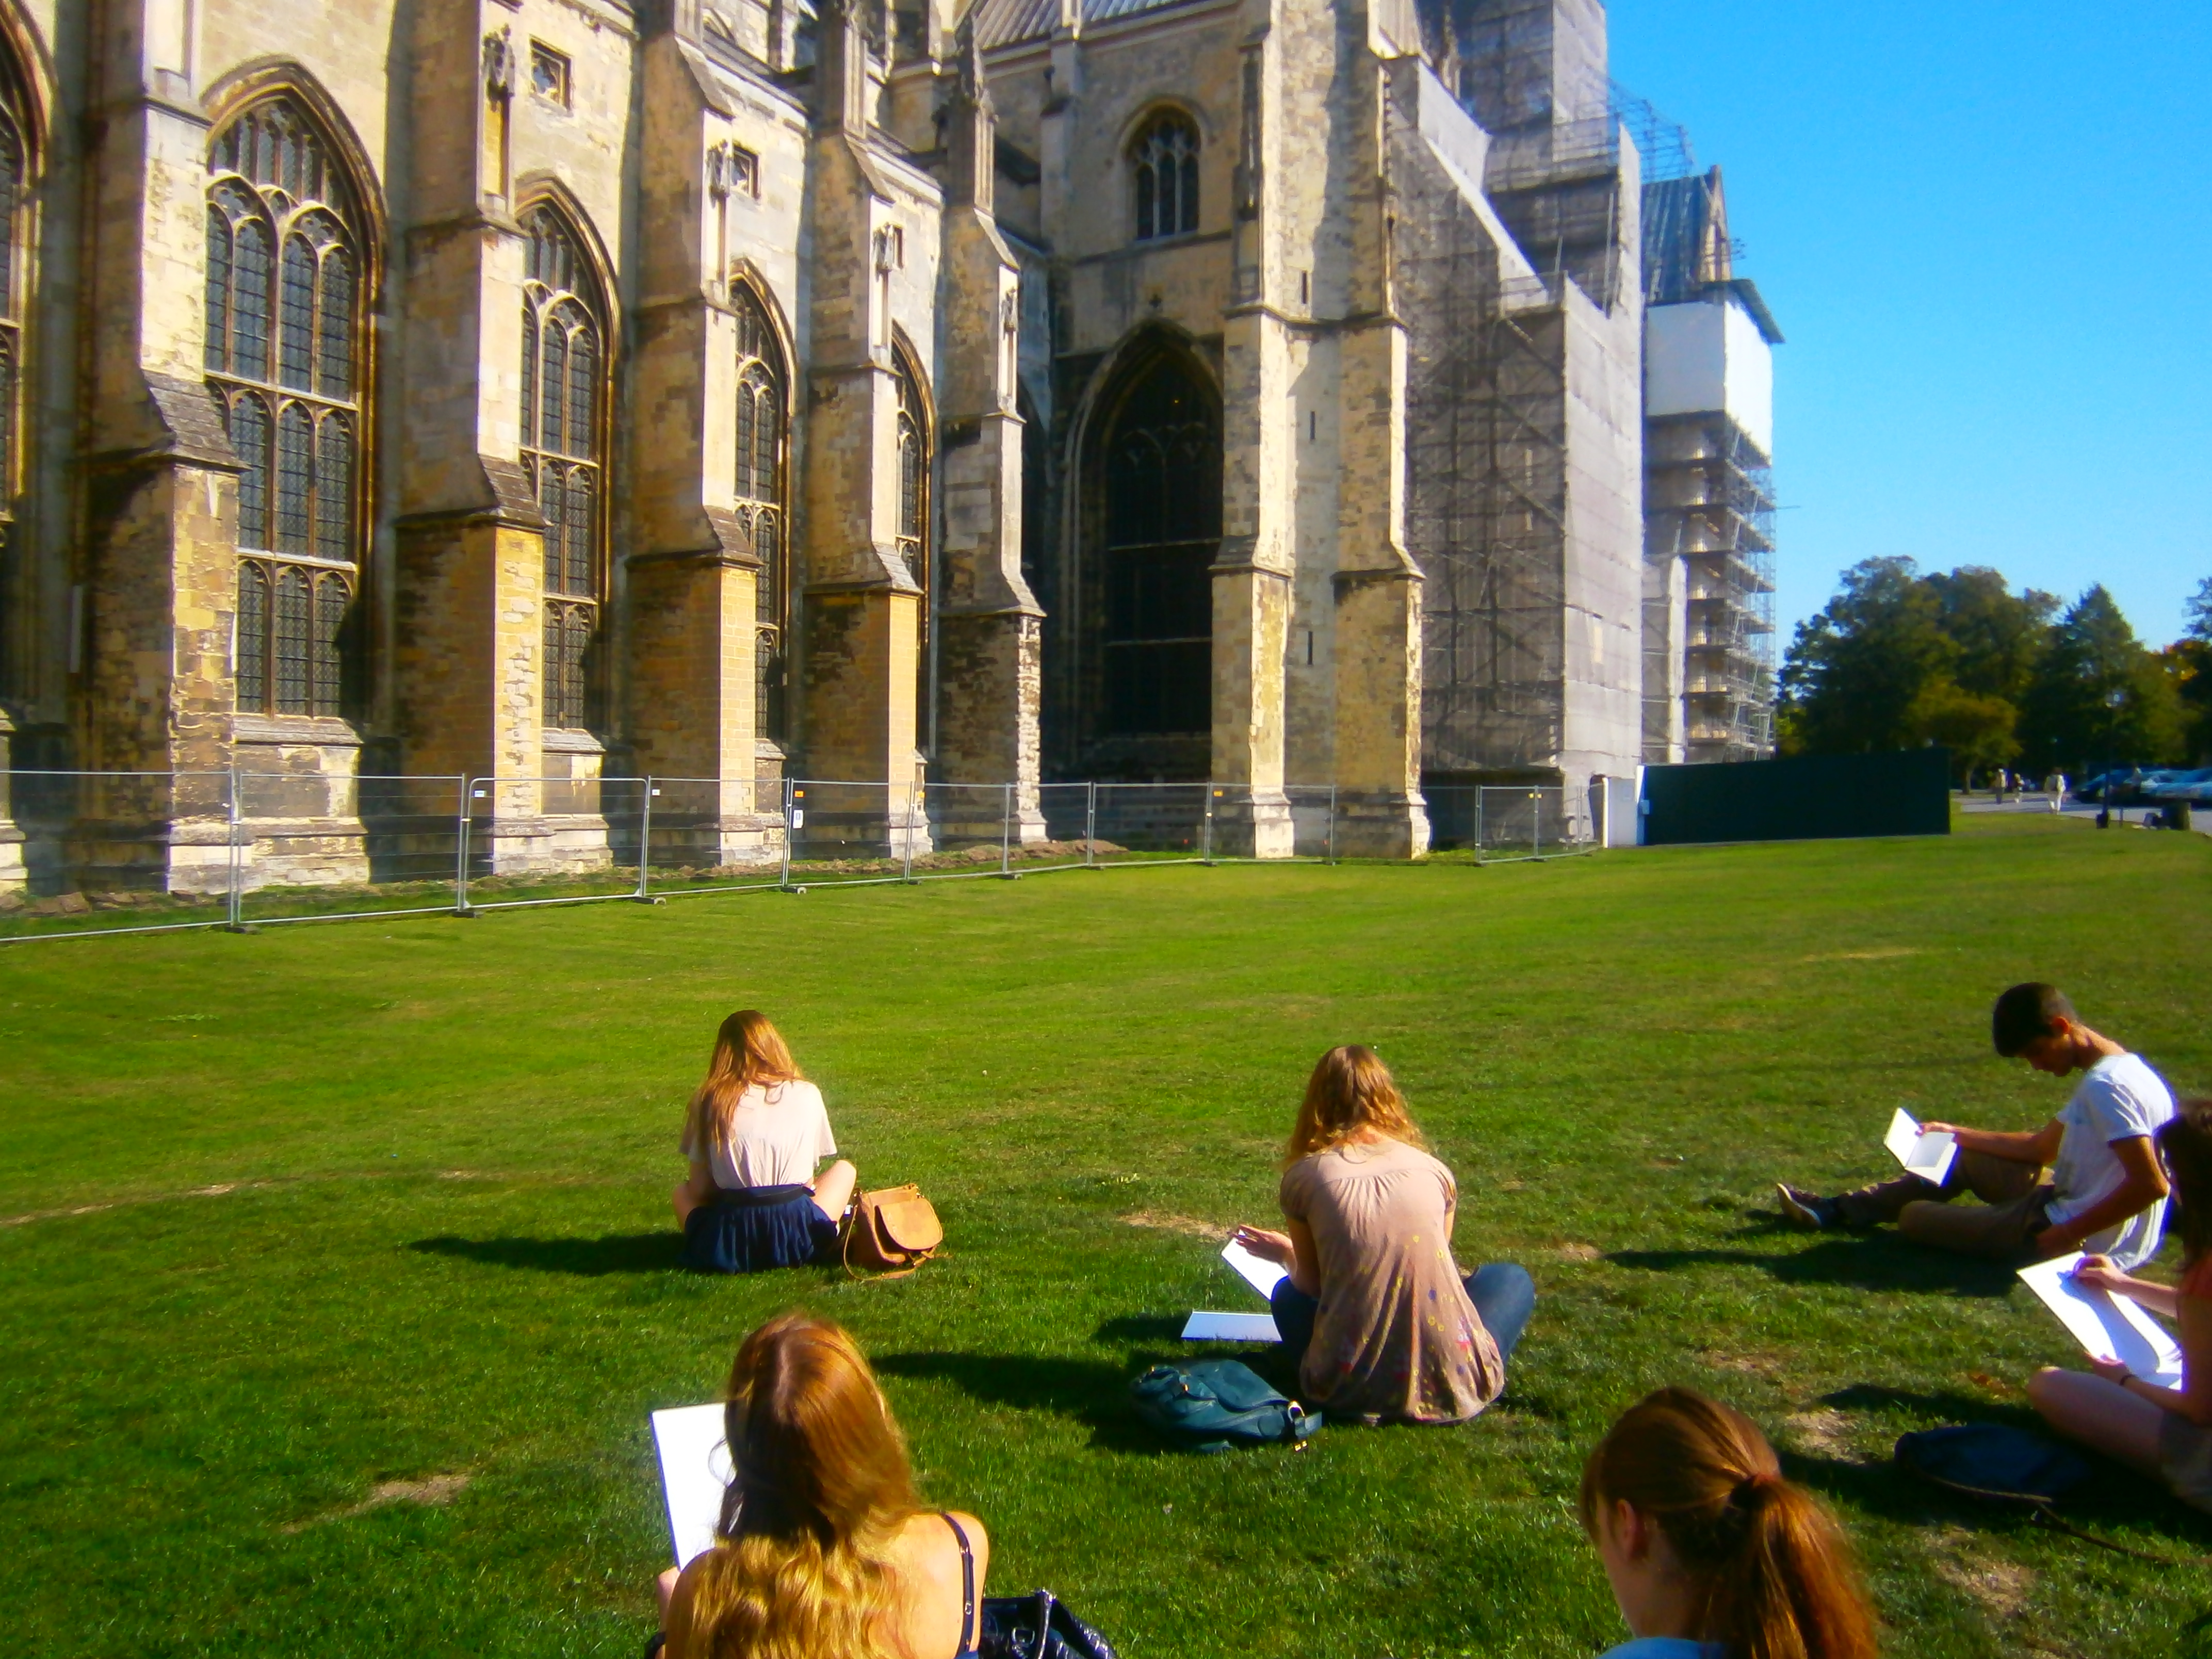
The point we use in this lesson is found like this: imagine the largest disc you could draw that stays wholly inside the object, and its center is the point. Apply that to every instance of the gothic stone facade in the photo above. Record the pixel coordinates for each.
(532, 391)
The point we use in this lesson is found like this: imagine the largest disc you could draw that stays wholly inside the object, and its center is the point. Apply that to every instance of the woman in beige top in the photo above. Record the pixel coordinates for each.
(1383, 1326)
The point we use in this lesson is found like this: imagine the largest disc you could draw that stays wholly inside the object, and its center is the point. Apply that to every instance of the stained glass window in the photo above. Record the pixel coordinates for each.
(913, 513)
(760, 382)
(563, 395)
(284, 326)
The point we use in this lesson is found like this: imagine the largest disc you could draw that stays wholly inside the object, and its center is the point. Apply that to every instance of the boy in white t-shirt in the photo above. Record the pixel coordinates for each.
(2107, 1189)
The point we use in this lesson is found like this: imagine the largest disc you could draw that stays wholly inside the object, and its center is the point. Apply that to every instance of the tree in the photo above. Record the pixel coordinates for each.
(2189, 660)
(2098, 696)
(2000, 634)
(1857, 672)
(1978, 731)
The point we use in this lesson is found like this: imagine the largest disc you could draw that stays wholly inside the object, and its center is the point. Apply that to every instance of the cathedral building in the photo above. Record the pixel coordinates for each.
(397, 392)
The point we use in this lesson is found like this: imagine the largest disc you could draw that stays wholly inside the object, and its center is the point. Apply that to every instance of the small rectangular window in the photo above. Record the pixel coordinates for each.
(549, 74)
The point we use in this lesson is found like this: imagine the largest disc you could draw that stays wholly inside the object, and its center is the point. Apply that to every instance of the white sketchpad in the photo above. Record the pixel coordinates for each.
(2107, 1327)
(1230, 1328)
(1924, 1155)
(1261, 1274)
(694, 1473)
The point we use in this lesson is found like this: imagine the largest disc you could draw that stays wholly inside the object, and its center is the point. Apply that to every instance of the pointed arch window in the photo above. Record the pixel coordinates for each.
(563, 454)
(285, 338)
(1164, 171)
(760, 498)
(914, 511)
(15, 225)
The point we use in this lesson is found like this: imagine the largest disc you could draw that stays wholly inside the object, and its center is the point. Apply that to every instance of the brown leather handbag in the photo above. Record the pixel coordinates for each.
(892, 1232)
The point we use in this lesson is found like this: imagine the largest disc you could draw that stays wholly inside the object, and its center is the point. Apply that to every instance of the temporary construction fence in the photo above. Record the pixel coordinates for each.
(161, 852)
(1501, 823)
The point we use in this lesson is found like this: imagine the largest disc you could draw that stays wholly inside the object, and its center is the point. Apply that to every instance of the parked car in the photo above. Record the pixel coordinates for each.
(2124, 786)
(2194, 787)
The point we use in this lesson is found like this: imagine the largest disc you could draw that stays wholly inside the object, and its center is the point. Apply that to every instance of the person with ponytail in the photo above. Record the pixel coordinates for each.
(2166, 1433)
(1712, 1554)
(755, 1132)
(1372, 1310)
(823, 1551)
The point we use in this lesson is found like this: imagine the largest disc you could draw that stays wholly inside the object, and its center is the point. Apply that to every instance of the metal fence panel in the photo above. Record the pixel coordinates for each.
(240, 848)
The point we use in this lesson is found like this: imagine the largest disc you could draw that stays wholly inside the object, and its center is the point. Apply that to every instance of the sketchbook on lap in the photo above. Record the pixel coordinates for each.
(1924, 1155)
(694, 1473)
(2107, 1327)
(1262, 1276)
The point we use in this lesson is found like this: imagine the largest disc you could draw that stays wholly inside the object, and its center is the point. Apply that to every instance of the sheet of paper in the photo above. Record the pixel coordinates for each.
(1260, 1273)
(694, 1473)
(1230, 1328)
(2107, 1327)
(1924, 1155)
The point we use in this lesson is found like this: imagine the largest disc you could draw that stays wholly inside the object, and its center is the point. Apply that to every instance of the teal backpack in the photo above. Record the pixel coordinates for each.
(1211, 1405)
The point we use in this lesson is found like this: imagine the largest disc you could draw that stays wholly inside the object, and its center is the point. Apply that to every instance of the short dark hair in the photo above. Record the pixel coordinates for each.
(2027, 1013)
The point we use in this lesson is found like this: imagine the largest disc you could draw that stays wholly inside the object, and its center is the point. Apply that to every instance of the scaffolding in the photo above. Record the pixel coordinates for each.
(1710, 503)
(1486, 500)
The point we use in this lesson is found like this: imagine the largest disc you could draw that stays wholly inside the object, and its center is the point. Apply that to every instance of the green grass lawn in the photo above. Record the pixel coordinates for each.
(296, 1218)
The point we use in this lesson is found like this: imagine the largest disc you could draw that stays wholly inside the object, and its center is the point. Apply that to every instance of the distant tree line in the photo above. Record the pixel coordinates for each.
(1898, 659)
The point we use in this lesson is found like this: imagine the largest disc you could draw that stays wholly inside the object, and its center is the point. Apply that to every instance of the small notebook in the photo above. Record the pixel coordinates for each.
(1262, 1276)
(1924, 1155)
(2107, 1327)
(1230, 1328)
(695, 1472)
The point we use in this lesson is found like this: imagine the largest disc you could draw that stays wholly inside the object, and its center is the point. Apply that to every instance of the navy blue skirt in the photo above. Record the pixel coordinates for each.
(757, 1228)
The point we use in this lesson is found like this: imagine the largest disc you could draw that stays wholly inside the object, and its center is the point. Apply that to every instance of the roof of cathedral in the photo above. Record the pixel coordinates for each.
(1010, 22)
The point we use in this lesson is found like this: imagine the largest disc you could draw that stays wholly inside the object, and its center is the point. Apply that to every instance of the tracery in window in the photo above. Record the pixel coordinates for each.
(284, 340)
(913, 541)
(760, 497)
(15, 167)
(563, 375)
(1164, 167)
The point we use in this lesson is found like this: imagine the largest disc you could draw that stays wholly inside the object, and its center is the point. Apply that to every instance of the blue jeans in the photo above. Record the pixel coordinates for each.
(1502, 1293)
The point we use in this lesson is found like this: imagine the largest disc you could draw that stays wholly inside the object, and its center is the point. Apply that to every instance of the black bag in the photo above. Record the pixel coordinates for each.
(1211, 1405)
(1999, 1465)
(1035, 1627)
(1989, 1461)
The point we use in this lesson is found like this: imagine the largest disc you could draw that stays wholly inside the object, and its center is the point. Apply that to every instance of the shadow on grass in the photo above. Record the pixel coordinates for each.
(1094, 1392)
(1876, 1262)
(2115, 1501)
(587, 1258)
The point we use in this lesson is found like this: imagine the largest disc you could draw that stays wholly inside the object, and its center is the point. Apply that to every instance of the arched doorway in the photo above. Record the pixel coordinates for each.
(1155, 517)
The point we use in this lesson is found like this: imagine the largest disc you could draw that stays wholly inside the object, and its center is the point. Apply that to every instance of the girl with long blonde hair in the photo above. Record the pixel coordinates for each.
(1712, 1554)
(755, 1133)
(1371, 1308)
(824, 1551)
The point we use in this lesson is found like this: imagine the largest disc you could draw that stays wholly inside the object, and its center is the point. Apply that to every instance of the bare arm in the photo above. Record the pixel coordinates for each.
(2038, 1146)
(2193, 1399)
(1291, 1250)
(2144, 1185)
(2099, 1274)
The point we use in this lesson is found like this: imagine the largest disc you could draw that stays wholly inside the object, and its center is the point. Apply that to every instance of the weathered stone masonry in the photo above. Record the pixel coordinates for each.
(545, 391)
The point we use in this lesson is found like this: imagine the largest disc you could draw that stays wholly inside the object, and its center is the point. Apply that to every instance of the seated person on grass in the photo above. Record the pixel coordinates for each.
(1373, 1310)
(2106, 1192)
(1712, 1554)
(822, 1547)
(2166, 1433)
(755, 1132)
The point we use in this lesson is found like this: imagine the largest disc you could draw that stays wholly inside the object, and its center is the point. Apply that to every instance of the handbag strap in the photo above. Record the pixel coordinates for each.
(851, 1225)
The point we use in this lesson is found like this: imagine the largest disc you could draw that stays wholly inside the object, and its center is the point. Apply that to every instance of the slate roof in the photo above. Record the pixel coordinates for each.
(1010, 22)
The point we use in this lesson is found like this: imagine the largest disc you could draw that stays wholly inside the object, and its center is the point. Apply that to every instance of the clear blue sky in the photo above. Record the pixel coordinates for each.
(1987, 232)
